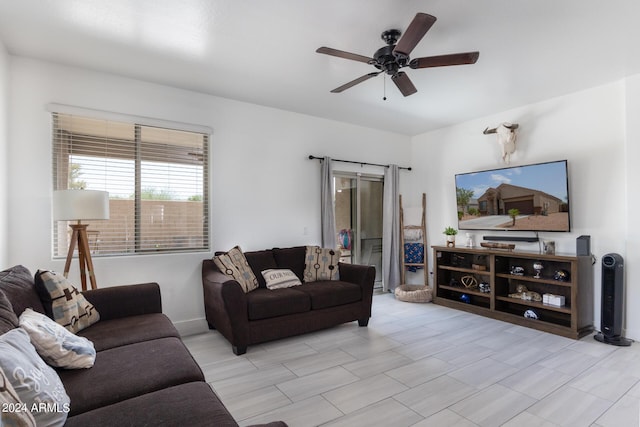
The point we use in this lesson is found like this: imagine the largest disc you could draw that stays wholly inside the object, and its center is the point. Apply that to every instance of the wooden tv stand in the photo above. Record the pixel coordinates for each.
(496, 267)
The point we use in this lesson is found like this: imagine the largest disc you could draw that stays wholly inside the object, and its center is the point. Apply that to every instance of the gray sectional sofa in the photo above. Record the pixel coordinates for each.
(143, 374)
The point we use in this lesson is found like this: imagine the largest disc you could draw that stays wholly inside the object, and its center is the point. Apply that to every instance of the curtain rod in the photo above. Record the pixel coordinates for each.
(312, 157)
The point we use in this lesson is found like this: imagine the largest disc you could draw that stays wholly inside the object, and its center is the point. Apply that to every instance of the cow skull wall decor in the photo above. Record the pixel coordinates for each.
(506, 139)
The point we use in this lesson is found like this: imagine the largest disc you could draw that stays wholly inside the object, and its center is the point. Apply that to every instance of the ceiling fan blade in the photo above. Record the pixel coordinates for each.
(414, 33)
(403, 82)
(343, 54)
(355, 82)
(445, 60)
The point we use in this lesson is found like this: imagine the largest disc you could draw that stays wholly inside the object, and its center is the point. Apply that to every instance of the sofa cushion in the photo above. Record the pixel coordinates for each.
(33, 380)
(55, 344)
(124, 372)
(266, 303)
(234, 264)
(320, 264)
(291, 258)
(63, 302)
(113, 333)
(8, 319)
(331, 293)
(192, 404)
(17, 284)
(277, 278)
(260, 261)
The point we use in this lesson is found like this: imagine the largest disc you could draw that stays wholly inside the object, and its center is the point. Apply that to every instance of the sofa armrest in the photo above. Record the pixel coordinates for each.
(124, 301)
(363, 275)
(225, 305)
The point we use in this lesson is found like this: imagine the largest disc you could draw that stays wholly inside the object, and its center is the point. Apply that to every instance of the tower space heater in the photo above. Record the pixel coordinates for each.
(612, 301)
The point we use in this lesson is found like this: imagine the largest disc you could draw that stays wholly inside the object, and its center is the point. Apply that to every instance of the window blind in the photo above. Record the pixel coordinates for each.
(156, 178)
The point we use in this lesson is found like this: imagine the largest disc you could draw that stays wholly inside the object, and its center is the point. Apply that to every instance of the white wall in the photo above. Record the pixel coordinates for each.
(4, 174)
(586, 128)
(632, 197)
(265, 191)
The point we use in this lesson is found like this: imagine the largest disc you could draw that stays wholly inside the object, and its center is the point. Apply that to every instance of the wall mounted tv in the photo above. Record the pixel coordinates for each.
(519, 198)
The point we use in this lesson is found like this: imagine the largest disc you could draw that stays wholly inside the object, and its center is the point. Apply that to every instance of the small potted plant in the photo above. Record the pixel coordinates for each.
(451, 232)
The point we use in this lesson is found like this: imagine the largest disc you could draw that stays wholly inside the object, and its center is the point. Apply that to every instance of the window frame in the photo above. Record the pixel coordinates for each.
(139, 123)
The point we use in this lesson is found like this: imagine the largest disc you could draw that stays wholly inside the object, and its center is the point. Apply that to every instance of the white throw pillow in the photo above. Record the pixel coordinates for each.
(37, 384)
(55, 344)
(14, 411)
(277, 278)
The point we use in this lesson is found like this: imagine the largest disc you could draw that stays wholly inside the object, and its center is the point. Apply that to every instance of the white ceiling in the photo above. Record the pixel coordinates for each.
(263, 51)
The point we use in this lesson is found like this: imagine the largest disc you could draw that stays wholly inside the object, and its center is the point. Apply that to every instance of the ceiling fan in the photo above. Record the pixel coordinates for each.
(395, 55)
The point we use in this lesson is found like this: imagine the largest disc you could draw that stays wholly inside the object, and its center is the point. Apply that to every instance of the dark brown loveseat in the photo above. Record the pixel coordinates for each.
(143, 374)
(264, 315)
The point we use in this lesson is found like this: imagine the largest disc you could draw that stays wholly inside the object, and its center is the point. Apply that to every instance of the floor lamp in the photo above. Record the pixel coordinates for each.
(80, 205)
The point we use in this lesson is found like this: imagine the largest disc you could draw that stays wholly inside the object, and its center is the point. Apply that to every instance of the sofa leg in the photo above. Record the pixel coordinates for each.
(363, 322)
(239, 350)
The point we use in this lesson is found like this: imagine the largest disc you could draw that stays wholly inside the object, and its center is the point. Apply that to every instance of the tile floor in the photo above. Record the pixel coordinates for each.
(425, 365)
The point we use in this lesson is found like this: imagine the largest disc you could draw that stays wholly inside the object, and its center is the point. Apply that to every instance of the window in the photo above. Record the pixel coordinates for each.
(156, 178)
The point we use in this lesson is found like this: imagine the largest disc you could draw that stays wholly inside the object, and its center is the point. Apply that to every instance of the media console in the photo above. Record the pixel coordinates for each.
(487, 282)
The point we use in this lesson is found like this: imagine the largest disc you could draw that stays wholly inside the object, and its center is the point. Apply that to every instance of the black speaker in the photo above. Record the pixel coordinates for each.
(583, 245)
(612, 301)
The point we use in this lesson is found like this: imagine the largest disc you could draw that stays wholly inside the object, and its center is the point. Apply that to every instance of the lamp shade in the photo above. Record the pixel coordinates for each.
(76, 205)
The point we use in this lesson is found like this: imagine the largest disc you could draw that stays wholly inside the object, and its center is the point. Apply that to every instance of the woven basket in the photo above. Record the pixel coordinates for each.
(413, 293)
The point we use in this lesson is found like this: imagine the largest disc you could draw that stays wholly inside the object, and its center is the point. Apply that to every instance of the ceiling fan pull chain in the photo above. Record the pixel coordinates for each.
(384, 87)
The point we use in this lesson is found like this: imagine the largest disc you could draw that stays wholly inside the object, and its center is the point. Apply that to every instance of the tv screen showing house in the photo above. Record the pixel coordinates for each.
(523, 198)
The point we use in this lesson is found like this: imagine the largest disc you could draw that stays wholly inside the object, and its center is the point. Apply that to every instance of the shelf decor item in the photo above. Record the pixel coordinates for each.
(517, 270)
(451, 232)
(469, 282)
(538, 267)
(561, 275)
(492, 245)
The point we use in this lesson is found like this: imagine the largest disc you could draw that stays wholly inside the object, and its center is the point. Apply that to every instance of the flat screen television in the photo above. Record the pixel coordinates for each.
(520, 198)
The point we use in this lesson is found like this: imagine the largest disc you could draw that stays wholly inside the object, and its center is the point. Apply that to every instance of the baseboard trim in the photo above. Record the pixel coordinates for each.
(191, 327)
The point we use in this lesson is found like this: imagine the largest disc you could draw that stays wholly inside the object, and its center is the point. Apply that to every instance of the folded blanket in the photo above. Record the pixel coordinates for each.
(413, 254)
(413, 234)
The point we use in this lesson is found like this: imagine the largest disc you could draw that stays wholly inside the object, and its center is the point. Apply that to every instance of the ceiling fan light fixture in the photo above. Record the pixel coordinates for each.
(395, 55)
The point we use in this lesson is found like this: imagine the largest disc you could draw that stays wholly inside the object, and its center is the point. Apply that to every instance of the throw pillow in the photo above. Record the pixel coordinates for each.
(64, 303)
(14, 411)
(321, 264)
(37, 385)
(55, 344)
(277, 278)
(234, 264)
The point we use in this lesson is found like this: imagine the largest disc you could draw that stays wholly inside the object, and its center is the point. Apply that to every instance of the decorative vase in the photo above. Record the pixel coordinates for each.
(451, 241)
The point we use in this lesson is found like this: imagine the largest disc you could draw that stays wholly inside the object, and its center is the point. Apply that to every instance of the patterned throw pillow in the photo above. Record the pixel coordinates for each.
(277, 278)
(321, 264)
(37, 385)
(13, 413)
(235, 265)
(64, 303)
(55, 344)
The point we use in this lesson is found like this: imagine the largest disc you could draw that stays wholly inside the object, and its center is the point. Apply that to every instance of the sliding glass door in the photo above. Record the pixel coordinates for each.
(358, 201)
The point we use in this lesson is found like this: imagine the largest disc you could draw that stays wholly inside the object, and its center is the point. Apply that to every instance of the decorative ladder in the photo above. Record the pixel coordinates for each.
(423, 228)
